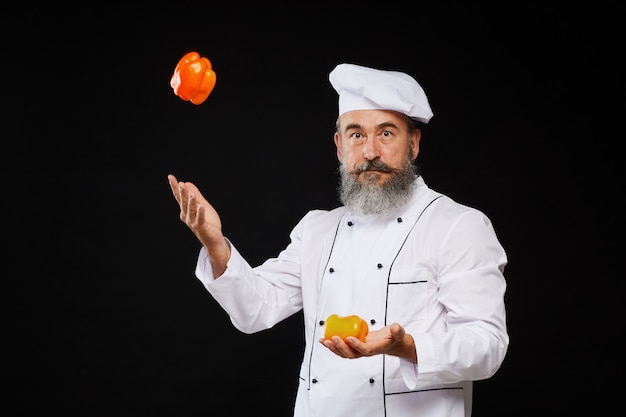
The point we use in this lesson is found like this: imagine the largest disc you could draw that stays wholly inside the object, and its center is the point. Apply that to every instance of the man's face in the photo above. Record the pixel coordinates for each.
(376, 161)
(373, 144)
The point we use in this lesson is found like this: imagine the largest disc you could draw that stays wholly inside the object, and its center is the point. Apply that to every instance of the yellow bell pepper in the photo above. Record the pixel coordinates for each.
(344, 326)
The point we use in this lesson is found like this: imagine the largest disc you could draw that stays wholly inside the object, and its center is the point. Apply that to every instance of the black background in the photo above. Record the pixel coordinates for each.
(103, 313)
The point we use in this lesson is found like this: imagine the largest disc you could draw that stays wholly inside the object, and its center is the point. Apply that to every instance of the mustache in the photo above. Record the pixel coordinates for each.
(374, 165)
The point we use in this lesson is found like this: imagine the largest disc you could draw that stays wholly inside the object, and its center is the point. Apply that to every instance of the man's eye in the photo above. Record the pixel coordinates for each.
(357, 138)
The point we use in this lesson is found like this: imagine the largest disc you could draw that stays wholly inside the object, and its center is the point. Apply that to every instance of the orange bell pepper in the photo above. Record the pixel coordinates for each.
(344, 326)
(193, 78)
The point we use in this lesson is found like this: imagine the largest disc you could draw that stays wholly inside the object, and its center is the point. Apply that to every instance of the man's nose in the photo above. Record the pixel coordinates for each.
(371, 150)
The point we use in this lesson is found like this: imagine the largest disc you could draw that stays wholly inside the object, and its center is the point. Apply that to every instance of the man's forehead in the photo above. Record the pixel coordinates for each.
(371, 118)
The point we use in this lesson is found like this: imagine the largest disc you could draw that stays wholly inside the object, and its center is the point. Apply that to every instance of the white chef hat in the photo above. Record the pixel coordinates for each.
(363, 88)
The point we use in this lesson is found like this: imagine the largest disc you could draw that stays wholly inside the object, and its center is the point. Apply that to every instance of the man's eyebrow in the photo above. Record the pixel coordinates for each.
(378, 127)
(387, 124)
(352, 126)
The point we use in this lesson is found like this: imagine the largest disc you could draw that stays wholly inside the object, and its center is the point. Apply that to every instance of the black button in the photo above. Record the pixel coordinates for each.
(350, 223)
(399, 219)
(379, 266)
(372, 321)
(321, 322)
(371, 380)
(314, 380)
(331, 270)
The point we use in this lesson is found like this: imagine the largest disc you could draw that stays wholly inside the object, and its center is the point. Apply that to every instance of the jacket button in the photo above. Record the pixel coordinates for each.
(379, 266)
(331, 270)
(372, 321)
(350, 223)
(371, 380)
(321, 322)
(399, 219)
(314, 380)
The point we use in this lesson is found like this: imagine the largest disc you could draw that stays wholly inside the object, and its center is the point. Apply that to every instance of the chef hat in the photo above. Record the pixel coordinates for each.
(362, 88)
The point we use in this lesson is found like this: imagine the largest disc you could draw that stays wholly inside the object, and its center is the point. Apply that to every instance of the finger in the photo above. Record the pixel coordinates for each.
(330, 345)
(174, 187)
(191, 207)
(359, 348)
(397, 331)
(184, 200)
(353, 342)
(196, 211)
(342, 348)
(192, 189)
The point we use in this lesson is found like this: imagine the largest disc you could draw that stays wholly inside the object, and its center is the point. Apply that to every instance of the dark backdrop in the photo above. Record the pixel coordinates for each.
(103, 313)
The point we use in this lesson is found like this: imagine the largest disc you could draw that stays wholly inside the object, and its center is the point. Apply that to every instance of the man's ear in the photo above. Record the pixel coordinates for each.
(338, 145)
(415, 141)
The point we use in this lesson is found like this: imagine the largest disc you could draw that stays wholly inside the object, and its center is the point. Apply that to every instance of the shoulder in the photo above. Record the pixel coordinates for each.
(317, 222)
(316, 225)
(448, 216)
(446, 207)
(318, 217)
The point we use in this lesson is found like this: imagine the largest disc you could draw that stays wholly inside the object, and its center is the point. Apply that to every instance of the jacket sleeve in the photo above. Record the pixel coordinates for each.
(474, 341)
(257, 298)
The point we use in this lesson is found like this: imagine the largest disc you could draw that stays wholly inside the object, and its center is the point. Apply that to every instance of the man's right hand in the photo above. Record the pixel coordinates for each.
(200, 216)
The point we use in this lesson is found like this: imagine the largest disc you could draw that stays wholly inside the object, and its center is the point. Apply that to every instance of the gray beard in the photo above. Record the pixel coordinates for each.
(368, 198)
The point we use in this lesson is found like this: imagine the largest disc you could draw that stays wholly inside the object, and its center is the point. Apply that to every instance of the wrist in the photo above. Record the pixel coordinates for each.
(219, 255)
(409, 351)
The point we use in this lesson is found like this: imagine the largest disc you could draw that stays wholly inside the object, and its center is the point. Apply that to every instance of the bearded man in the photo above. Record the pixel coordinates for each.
(423, 272)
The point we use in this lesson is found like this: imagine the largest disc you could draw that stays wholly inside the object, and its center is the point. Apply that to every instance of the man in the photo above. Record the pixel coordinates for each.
(425, 272)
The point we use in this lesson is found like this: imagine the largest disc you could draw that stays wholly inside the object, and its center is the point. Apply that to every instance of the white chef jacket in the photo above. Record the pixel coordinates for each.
(436, 268)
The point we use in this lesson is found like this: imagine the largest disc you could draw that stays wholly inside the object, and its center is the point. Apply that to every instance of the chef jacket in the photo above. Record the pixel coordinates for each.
(435, 267)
